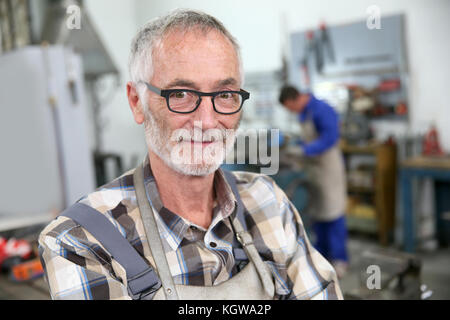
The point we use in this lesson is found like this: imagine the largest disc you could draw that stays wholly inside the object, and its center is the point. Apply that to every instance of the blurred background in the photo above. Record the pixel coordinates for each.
(66, 127)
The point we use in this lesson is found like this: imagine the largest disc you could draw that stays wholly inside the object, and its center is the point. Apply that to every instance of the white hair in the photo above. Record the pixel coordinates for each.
(140, 59)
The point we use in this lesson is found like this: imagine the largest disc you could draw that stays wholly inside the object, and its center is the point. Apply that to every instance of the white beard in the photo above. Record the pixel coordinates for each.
(177, 151)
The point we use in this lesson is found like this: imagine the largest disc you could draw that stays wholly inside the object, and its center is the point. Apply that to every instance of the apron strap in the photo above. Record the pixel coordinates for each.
(238, 251)
(151, 230)
(140, 276)
(246, 240)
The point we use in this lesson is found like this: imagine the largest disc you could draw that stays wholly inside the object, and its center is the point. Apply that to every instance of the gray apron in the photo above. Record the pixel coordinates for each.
(253, 282)
(327, 175)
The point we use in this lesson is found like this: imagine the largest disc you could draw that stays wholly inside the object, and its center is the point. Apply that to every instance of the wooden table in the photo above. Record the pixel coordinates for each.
(436, 168)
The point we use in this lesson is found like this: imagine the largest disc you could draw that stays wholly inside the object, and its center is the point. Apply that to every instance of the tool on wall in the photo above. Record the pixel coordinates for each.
(308, 50)
(323, 46)
(320, 47)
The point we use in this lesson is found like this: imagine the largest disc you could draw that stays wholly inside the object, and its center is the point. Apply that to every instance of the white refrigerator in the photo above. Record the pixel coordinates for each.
(45, 158)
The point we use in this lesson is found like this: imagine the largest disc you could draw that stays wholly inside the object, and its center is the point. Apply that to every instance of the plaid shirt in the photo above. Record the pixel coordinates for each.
(77, 266)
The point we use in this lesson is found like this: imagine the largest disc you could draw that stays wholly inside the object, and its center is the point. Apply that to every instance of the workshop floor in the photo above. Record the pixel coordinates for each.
(435, 271)
(435, 274)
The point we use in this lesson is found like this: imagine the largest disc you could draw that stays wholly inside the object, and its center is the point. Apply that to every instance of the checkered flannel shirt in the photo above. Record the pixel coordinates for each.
(77, 266)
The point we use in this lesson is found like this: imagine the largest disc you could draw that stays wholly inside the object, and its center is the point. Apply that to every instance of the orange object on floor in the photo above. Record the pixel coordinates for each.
(28, 270)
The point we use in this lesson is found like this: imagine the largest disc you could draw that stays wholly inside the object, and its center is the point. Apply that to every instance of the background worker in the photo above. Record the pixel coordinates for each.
(326, 172)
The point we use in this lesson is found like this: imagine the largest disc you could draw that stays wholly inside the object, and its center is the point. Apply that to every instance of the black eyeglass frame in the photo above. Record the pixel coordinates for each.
(166, 94)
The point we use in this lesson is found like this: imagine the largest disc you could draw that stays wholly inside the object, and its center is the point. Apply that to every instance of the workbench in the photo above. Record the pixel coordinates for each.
(436, 168)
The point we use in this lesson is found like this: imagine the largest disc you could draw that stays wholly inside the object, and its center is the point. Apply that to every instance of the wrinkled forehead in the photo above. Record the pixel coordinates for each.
(180, 35)
(179, 47)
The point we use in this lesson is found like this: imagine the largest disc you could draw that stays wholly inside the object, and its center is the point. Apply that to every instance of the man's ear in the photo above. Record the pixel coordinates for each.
(135, 103)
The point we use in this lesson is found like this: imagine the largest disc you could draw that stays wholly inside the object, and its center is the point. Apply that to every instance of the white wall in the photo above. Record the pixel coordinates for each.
(261, 27)
(115, 21)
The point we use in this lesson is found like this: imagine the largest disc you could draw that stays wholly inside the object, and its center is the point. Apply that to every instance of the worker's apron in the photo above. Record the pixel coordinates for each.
(327, 176)
(253, 282)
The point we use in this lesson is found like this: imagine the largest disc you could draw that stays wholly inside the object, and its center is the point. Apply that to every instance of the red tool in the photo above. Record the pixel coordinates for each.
(431, 146)
(389, 85)
(10, 248)
(401, 108)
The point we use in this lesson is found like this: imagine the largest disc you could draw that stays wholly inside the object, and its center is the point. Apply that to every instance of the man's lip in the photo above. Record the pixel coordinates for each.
(199, 142)
(202, 142)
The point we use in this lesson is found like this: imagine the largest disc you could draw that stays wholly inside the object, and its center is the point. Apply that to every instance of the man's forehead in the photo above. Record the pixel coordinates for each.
(177, 41)
(181, 82)
(207, 54)
(182, 35)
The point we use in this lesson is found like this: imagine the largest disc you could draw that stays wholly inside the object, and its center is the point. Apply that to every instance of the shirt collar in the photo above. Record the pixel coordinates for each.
(173, 228)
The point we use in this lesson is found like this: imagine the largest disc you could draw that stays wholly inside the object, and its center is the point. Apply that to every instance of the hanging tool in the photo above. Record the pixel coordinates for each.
(309, 47)
(323, 46)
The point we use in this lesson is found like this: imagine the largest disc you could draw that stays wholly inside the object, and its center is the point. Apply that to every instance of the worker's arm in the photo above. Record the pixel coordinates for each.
(76, 268)
(303, 273)
(326, 122)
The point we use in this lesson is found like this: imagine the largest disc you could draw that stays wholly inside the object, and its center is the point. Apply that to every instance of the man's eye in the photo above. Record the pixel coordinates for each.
(225, 95)
(180, 95)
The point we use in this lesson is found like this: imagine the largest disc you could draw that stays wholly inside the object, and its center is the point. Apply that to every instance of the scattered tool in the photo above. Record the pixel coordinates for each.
(26, 271)
(18, 259)
(13, 248)
(388, 274)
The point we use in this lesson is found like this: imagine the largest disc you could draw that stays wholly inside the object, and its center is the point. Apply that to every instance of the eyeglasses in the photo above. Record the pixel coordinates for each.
(187, 101)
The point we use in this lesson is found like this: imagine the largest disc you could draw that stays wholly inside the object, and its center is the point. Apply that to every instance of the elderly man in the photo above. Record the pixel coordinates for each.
(178, 227)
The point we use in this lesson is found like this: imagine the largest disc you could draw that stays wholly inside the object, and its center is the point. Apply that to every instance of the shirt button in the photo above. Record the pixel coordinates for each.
(213, 244)
(193, 228)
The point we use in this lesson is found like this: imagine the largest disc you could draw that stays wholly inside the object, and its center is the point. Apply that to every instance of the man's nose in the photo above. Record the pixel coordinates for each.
(206, 114)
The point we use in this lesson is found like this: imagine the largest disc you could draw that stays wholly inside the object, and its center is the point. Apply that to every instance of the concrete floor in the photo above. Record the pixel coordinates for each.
(435, 270)
(435, 274)
(33, 290)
